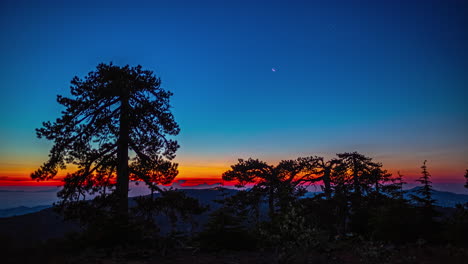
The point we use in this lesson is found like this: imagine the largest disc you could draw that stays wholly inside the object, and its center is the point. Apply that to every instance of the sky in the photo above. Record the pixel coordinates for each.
(265, 79)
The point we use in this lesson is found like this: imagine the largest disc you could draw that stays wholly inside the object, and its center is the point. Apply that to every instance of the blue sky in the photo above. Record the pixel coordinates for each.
(386, 78)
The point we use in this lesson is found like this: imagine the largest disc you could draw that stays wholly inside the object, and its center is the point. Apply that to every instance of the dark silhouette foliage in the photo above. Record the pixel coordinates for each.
(396, 188)
(172, 203)
(394, 220)
(425, 193)
(362, 213)
(117, 127)
(112, 111)
(425, 205)
(321, 170)
(228, 227)
(279, 184)
(423, 197)
(456, 226)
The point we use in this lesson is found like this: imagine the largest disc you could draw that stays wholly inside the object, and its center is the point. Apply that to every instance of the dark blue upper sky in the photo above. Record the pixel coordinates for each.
(387, 78)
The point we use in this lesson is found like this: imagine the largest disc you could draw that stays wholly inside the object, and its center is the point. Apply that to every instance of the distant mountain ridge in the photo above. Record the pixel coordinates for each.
(32, 228)
(41, 222)
(22, 210)
(443, 199)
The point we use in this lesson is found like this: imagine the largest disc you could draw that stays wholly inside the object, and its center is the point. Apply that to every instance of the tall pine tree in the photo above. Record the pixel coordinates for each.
(116, 126)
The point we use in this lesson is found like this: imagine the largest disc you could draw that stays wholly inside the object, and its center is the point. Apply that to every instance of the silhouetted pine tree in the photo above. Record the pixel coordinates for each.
(380, 178)
(396, 188)
(356, 177)
(363, 173)
(279, 184)
(424, 197)
(112, 111)
(317, 169)
(428, 227)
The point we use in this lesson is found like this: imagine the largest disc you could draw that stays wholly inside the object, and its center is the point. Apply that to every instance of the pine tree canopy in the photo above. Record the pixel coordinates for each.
(117, 126)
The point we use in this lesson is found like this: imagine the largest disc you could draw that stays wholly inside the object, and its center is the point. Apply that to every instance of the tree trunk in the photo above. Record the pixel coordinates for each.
(271, 205)
(122, 153)
(326, 182)
(357, 186)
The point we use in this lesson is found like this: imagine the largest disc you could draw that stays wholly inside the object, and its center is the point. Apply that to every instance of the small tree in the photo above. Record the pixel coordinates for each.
(396, 188)
(112, 111)
(355, 177)
(277, 183)
(426, 203)
(317, 169)
(360, 170)
(253, 171)
(424, 197)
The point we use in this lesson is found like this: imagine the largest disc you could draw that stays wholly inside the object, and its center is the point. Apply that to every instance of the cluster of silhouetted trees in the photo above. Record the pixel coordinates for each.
(118, 127)
(272, 210)
(359, 198)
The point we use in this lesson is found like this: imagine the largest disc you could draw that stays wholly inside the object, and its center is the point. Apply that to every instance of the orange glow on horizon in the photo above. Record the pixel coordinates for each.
(30, 183)
(195, 174)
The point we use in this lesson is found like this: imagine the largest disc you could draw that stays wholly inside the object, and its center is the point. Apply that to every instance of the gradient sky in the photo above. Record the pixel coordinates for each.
(385, 78)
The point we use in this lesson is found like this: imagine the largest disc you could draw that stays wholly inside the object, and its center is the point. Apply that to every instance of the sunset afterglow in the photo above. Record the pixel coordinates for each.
(339, 79)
